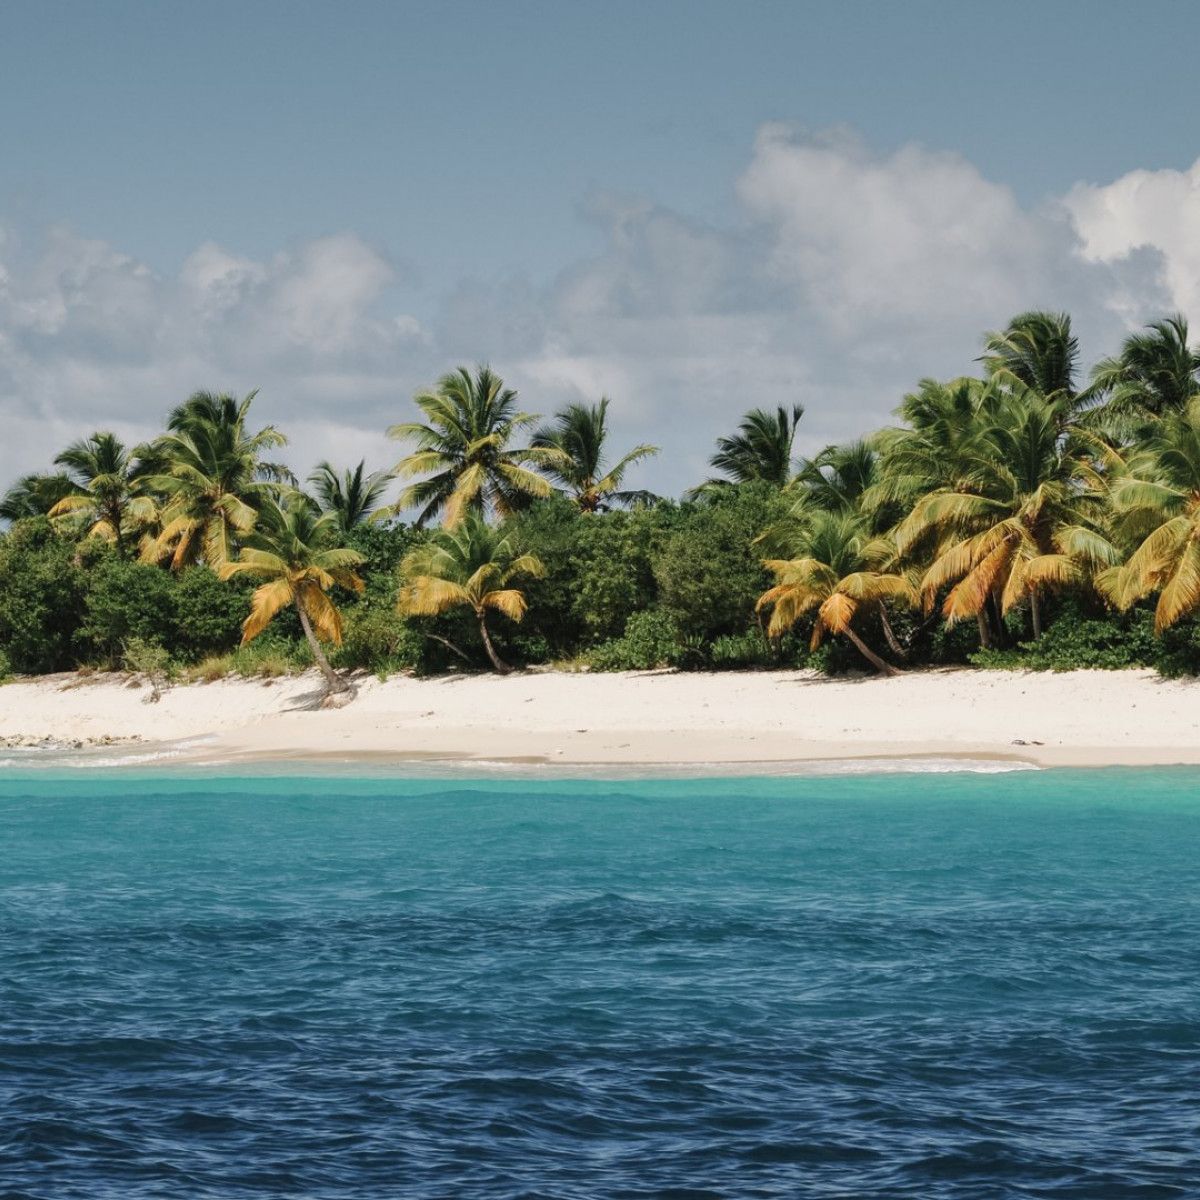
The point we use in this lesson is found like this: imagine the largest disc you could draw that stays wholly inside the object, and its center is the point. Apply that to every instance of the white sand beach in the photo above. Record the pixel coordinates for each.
(659, 718)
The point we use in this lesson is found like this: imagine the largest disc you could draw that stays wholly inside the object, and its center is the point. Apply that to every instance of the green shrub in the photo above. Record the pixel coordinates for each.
(150, 660)
(208, 613)
(41, 598)
(376, 639)
(709, 572)
(1103, 641)
(733, 651)
(126, 602)
(651, 639)
(1177, 650)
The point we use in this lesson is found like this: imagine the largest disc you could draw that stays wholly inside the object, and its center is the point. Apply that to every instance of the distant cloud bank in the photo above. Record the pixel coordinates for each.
(848, 276)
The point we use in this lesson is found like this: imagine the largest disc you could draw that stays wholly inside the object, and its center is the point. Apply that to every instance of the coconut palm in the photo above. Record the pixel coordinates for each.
(840, 572)
(212, 480)
(463, 450)
(577, 436)
(940, 441)
(1157, 507)
(296, 552)
(1155, 372)
(106, 500)
(760, 450)
(1037, 351)
(843, 478)
(352, 496)
(472, 565)
(35, 495)
(1016, 522)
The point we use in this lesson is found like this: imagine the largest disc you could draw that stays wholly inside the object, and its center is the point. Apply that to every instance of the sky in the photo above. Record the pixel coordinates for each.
(694, 207)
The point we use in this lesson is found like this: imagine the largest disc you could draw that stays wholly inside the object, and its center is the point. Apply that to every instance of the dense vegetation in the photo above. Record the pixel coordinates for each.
(1028, 517)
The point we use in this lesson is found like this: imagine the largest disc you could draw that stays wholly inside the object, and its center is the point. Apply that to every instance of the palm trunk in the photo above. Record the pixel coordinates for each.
(501, 667)
(881, 665)
(996, 619)
(1035, 611)
(985, 629)
(333, 682)
(893, 644)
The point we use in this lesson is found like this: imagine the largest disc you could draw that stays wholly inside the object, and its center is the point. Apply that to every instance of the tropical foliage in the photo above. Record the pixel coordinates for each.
(213, 480)
(463, 449)
(104, 499)
(577, 436)
(352, 496)
(1038, 515)
(296, 554)
(760, 451)
(474, 566)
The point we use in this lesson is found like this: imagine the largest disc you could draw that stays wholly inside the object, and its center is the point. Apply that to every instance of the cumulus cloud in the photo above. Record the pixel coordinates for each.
(1154, 213)
(848, 275)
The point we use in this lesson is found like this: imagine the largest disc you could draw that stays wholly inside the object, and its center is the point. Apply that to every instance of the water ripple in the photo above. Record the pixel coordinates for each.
(945, 988)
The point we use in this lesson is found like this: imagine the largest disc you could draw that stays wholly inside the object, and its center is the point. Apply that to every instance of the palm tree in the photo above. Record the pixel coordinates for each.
(35, 495)
(106, 499)
(212, 480)
(463, 450)
(760, 450)
(1154, 374)
(577, 435)
(838, 571)
(471, 565)
(1157, 507)
(840, 478)
(295, 551)
(1037, 351)
(1015, 522)
(353, 497)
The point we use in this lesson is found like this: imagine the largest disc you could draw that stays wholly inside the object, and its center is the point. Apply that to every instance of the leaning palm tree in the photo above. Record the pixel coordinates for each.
(1156, 504)
(296, 552)
(577, 436)
(352, 496)
(463, 449)
(1017, 520)
(840, 571)
(35, 495)
(1155, 372)
(107, 502)
(471, 566)
(212, 480)
(760, 450)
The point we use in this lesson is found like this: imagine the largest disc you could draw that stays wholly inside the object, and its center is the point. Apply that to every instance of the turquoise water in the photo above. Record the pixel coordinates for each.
(935, 986)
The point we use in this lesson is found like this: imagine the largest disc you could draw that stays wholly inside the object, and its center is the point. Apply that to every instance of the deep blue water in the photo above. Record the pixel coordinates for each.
(897, 986)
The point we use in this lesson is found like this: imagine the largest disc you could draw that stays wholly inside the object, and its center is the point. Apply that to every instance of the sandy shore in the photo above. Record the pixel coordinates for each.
(1078, 718)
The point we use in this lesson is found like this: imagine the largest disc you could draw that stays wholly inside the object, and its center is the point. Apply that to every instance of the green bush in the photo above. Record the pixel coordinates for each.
(1104, 641)
(41, 598)
(709, 572)
(735, 651)
(1177, 651)
(208, 613)
(651, 639)
(123, 602)
(376, 639)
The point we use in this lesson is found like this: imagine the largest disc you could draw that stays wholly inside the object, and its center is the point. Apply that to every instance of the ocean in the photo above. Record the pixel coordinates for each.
(935, 985)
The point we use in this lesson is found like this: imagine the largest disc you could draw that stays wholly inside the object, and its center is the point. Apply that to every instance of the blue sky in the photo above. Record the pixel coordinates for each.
(594, 196)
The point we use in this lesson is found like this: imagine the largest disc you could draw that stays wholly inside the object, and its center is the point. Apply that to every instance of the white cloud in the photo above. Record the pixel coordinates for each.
(847, 277)
(1145, 210)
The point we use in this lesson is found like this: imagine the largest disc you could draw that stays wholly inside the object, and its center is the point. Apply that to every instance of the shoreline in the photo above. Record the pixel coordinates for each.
(664, 720)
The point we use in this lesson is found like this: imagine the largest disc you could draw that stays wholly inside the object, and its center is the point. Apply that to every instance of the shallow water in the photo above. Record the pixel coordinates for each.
(936, 986)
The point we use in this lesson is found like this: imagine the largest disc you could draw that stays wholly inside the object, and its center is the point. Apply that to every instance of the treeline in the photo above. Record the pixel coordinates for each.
(1028, 516)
